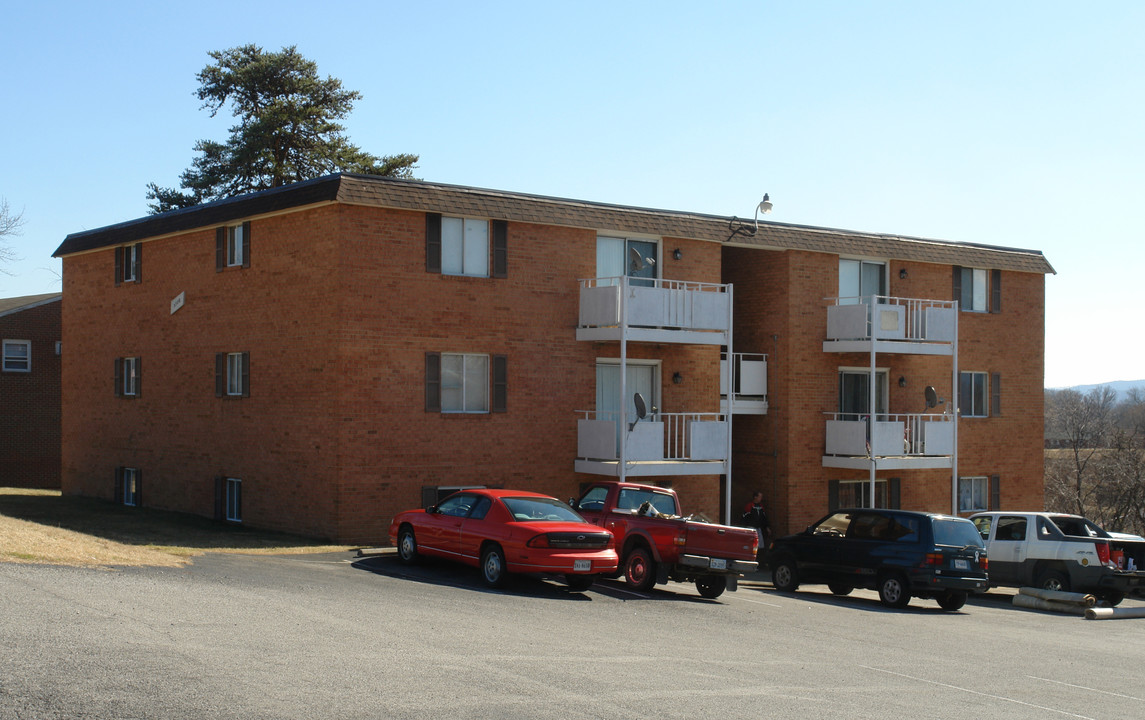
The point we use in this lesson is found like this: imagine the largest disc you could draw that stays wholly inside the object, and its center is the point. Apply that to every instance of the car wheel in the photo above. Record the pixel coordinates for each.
(1053, 580)
(1113, 597)
(784, 576)
(640, 570)
(493, 566)
(952, 600)
(840, 588)
(579, 583)
(407, 546)
(712, 586)
(893, 590)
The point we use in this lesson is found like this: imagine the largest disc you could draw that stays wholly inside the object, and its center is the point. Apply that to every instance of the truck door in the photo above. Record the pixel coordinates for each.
(1009, 549)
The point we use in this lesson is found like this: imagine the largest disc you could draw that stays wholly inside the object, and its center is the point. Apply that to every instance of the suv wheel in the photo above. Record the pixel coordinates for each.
(840, 588)
(784, 576)
(893, 590)
(952, 600)
(1053, 580)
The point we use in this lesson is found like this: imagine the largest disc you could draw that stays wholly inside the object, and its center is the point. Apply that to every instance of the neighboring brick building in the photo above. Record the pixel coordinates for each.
(321, 356)
(30, 391)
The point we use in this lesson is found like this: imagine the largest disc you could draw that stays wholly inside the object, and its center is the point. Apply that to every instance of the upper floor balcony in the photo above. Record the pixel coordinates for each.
(654, 310)
(893, 442)
(891, 325)
(744, 379)
(659, 444)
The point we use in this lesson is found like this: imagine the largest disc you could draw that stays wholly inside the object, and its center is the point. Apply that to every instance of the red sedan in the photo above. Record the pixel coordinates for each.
(507, 531)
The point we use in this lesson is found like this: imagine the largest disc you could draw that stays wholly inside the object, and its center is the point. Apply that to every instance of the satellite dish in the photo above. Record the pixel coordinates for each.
(931, 396)
(635, 260)
(641, 408)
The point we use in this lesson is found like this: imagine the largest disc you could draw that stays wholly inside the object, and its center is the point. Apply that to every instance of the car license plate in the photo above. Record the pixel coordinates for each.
(961, 564)
(582, 565)
(718, 564)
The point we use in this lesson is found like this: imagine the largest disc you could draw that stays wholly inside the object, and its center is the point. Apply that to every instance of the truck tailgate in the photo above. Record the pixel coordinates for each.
(720, 541)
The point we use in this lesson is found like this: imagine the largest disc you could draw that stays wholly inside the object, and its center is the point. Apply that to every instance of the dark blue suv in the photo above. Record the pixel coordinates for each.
(901, 554)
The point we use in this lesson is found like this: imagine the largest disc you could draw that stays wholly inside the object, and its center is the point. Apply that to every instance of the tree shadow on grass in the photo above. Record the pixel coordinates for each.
(142, 526)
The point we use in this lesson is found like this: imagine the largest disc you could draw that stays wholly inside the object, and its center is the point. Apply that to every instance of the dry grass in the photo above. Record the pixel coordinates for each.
(42, 526)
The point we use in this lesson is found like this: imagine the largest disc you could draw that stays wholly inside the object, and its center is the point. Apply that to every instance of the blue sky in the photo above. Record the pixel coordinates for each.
(1008, 123)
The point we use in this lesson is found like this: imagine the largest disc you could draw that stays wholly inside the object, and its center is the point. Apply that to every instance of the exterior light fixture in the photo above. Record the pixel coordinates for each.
(676, 254)
(763, 207)
(902, 274)
(902, 380)
(677, 378)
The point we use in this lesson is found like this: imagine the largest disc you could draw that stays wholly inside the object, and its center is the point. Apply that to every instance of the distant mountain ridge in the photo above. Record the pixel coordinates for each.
(1121, 387)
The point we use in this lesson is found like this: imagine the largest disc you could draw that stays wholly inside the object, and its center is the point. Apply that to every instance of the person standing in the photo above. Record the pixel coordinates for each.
(755, 516)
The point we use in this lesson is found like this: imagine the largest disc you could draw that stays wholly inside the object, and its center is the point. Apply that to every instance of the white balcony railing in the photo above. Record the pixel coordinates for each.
(745, 379)
(903, 435)
(654, 303)
(891, 318)
(661, 436)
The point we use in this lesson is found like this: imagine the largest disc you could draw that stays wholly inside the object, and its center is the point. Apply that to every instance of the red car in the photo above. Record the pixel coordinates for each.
(507, 531)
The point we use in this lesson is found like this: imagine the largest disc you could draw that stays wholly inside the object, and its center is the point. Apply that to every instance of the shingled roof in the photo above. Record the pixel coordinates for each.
(12, 305)
(423, 196)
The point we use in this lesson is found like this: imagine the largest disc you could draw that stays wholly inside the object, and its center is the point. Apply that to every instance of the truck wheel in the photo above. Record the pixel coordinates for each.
(1053, 580)
(784, 575)
(840, 588)
(894, 591)
(712, 586)
(639, 570)
(952, 600)
(493, 566)
(407, 546)
(1113, 597)
(579, 583)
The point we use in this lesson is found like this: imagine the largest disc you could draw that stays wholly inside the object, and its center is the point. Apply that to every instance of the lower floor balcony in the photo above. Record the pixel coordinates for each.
(659, 444)
(891, 442)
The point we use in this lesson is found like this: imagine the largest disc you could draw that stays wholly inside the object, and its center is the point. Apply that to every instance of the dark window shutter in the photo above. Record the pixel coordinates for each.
(137, 263)
(996, 394)
(432, 382)
(996, 291)
(428, 496)
(894, 493)
(118, 373)
(958, 286)
(117, 496)
(832, 495)
(246, 374)
(500, 383)
(118, 265)
(500, 249)
(220, 374)
(138, 376)
(995, 492)
(220, 249)
(220, 497)
(433, 242)
(246, 244)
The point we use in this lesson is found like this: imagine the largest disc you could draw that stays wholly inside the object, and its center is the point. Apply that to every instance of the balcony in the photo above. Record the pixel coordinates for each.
(893, 442)
(884, 324)
(660, 444)
(653, 310)
(747, 373)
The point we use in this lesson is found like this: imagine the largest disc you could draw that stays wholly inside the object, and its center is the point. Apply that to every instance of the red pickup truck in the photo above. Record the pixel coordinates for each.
(656, 544)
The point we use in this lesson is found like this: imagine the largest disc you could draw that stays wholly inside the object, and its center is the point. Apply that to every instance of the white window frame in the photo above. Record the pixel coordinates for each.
(614, 257)
(976, 279)
(130, 377)
(235, 374)
(130, 262)
(13, 362)
(235, 246)
(233, 498)
(465, 381)
(973, 493)
(465, 246)
(130, 486)
(966, 403)
(855, 293)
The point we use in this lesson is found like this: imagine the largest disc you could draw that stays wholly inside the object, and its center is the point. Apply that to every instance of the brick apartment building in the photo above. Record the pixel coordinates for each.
(30, 391)
(317, 357)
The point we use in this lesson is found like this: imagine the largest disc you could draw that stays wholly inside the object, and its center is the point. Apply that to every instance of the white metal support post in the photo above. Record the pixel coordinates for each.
(731, 373)
(622, 468)
(956, 406)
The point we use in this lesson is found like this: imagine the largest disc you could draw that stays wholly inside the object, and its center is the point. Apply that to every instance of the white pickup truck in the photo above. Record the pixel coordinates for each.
(1060, 552)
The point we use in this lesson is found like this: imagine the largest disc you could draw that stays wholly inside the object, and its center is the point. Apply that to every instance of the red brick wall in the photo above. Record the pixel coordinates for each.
(30, 402)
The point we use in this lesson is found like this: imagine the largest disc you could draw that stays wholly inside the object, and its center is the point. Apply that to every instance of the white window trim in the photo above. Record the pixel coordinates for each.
(885, 400)
(130, 261)
(234, 246)
(625, 239)
(979, 277)
(130, 376)
(233, 499)
(464, 384)
(985, 487)
(464, 241)
(26, 359)
(234, 374)
(130, 486)
(853, 299)
(983, 411)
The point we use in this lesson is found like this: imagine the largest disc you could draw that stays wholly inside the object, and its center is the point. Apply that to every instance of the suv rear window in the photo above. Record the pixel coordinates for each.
(957, 533)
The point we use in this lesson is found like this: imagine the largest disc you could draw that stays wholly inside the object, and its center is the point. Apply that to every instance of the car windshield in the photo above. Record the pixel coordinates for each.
(633, 498)
(955, 532)
(530, 509)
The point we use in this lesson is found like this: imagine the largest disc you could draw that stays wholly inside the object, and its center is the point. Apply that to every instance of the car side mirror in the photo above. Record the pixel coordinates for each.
(431, 510)
(573, 503)
(808, 530)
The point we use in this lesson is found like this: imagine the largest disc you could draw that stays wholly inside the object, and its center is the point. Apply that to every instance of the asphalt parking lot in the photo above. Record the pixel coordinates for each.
(338, 636)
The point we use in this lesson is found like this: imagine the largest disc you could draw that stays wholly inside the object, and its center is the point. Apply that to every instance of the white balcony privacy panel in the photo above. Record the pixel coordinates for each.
(939, 324)
(938, 438)
(846, 322)
(707, 440)
(645, 442)
(596, 439)
(600, 306)
(677, 307)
